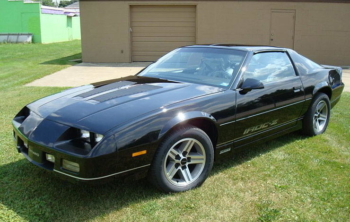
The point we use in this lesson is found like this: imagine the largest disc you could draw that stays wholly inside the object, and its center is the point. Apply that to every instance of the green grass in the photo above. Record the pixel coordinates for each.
(293, 178)
(23, 63)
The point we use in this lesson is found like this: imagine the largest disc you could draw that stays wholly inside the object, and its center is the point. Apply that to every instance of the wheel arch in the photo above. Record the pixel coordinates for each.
(323, 88)
(201, 120)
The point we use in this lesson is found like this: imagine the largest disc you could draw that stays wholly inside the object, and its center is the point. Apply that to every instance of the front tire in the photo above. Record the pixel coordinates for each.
(183, 161)
(317, 117)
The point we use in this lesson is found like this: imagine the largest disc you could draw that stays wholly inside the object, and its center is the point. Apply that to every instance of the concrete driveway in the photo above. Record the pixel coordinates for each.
(346, 79)
(85, 73)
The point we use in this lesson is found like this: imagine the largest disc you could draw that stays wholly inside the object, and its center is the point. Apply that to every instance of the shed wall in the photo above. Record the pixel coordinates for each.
(59, 28)
(105, 31)
(322, 30)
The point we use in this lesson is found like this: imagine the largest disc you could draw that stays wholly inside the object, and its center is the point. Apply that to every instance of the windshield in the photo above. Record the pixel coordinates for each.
(208, 66)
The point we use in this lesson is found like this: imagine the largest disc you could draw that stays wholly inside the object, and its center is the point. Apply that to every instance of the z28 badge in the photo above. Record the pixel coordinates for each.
(260, 127)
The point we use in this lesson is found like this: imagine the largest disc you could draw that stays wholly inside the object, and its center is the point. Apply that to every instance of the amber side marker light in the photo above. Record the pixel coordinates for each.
(143, 152)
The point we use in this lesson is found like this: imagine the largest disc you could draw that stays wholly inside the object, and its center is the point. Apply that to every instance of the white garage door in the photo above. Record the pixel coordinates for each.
(158, 29)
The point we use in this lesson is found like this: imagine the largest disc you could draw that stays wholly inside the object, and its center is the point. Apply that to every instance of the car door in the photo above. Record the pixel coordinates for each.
(276, 107)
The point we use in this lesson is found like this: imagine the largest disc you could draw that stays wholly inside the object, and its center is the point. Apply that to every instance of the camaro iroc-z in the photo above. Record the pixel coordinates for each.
(171, 121)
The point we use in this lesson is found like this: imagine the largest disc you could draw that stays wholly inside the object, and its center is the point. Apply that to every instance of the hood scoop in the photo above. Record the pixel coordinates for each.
(125, 91)
(115, 90)
(105, 88)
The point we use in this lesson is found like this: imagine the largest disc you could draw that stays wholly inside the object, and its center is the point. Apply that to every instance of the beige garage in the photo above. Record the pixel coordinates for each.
(137, 30)
(155, 30)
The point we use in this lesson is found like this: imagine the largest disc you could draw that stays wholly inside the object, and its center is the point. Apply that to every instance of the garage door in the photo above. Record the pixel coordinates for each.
(158, 29)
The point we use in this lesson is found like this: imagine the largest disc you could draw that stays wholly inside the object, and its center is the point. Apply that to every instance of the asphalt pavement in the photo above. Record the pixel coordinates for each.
(85, 73)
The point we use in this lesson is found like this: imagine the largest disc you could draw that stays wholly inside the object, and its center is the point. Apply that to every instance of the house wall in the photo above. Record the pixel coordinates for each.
(19, 17)
(59, 28)
(322, 30)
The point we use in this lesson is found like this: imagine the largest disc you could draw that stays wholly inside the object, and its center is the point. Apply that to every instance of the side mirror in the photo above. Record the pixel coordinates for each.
(250, 84)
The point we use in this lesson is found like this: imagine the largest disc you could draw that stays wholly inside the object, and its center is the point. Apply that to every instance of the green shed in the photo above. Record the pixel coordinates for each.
(46, 24)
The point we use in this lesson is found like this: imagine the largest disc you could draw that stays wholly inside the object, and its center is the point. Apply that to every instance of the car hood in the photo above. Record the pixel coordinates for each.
(101, 106)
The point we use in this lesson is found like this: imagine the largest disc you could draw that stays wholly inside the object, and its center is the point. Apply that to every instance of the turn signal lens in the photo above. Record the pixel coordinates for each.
(71, 166)
(50, 158)
(143, 152)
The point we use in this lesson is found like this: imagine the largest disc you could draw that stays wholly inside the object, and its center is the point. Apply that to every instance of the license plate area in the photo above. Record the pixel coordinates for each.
(21, 147)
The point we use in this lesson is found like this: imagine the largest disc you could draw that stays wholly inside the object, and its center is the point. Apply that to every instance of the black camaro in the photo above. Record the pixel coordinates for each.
(171, 121)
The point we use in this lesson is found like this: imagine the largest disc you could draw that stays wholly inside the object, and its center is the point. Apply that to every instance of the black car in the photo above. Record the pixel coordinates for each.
(170, 122)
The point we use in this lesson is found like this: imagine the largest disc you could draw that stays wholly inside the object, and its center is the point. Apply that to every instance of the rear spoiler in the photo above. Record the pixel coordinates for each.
(336, 68)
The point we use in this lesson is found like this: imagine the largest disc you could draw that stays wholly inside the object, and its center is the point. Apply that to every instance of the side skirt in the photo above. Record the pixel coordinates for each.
(227, 150)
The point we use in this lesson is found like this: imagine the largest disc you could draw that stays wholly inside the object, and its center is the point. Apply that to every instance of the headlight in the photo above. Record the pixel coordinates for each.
(85, 134)
(71, 166)
(79, 138)
(91, 137)
(98, 137)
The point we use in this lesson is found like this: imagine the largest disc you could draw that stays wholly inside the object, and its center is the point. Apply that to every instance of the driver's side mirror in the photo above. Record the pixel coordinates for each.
(250, 84)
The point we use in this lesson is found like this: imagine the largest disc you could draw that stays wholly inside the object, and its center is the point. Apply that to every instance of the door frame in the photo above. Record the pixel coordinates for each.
(285, 11)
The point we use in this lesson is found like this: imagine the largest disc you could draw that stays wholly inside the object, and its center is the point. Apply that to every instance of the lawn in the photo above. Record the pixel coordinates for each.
(293, 178)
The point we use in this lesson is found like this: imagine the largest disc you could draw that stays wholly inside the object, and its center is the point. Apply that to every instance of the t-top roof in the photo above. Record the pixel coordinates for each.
(244, 47)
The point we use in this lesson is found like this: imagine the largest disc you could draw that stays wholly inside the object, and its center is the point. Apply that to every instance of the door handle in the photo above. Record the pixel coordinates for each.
(297, 89)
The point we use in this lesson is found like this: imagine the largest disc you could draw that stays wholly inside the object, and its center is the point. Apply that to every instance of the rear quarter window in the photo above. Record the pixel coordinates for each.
(304, 65)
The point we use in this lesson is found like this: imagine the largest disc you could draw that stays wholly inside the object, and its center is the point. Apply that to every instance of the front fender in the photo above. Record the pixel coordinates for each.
(185, 117)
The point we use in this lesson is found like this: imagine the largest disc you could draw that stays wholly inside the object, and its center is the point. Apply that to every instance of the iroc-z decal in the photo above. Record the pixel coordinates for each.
(260, 127)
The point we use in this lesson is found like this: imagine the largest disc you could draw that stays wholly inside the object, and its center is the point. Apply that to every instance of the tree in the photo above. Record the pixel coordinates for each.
(66, 3)
(47, 3)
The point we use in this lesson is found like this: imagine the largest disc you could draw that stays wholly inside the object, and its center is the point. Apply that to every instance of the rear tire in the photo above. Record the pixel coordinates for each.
(317, 117)
(183, 161)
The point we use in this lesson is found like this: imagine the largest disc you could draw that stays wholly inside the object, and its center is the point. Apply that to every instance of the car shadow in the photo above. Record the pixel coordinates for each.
(249, 153)
(72, 59)
(35, 194)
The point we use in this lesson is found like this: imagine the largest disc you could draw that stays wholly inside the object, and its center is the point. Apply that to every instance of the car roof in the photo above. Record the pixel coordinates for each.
(251, 48)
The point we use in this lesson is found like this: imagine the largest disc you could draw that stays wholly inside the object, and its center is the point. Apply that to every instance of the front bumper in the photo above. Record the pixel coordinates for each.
(92, 169)
(36, 154)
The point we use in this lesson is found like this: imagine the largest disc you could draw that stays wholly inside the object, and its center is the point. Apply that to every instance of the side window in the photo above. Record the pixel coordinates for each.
(270, 67)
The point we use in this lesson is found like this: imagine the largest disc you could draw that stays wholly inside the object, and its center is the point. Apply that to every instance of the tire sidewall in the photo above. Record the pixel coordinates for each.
(308, 121)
